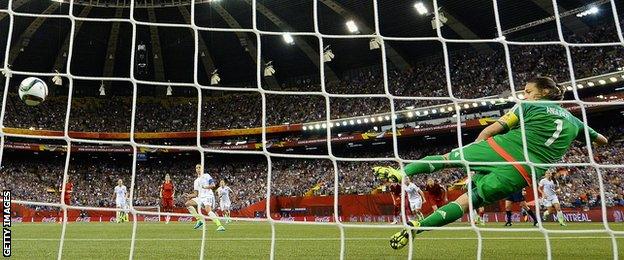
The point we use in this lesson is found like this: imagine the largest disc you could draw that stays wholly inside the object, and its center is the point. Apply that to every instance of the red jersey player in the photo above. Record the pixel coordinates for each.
(167, 192)
(395, 191)
(437, 193)
(69, 188)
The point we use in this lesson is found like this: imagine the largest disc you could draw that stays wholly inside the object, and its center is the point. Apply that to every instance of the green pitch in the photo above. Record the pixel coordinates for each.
(246, 240)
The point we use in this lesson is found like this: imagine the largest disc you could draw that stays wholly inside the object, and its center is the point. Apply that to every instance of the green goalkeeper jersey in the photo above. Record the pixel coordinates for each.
(549, 128)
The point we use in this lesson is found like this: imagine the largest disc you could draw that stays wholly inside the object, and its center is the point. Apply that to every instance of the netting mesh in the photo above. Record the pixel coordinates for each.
(387, 95)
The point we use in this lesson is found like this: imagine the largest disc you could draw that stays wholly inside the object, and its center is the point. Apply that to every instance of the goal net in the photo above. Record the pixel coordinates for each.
(455, 99)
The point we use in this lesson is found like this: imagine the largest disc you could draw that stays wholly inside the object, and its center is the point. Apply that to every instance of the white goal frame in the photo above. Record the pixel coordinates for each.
(500, 39)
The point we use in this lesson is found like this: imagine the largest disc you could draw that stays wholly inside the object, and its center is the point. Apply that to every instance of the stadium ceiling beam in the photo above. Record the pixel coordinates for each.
(111, 49)
(61, 57)
(246, 42)
(159, 68)
(391, 53)
(16, 4)
(303, 45)
(24, 38)
(573, 24)
(204, 54)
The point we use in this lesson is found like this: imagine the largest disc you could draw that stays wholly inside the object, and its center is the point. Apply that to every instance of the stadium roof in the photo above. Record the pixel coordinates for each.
(44, 48)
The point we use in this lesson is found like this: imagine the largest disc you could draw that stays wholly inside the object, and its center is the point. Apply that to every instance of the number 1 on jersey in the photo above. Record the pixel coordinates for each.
(556, 134)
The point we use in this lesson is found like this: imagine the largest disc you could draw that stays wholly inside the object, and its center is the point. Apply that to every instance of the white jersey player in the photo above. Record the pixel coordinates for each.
(203, 196)
(547, 187)
(121, 197)
(225, 201)
(416, 198)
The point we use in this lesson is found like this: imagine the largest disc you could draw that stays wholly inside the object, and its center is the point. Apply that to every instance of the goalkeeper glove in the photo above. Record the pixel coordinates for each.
(387, 174)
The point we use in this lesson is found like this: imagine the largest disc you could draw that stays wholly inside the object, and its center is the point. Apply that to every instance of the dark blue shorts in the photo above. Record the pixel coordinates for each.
(515, 197)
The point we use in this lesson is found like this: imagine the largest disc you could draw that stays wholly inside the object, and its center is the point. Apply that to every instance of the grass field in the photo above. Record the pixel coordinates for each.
(246, 240)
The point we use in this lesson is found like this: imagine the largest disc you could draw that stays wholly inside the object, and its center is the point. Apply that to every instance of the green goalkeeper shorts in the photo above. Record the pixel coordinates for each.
(492, 182)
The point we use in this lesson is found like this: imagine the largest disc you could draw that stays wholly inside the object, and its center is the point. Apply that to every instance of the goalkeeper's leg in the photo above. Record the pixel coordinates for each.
(487, 189)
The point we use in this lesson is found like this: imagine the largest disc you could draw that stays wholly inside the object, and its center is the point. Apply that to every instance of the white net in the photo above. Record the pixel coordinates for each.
(263, 92)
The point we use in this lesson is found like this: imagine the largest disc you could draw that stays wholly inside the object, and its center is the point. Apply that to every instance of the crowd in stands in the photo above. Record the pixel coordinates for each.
(474, 74)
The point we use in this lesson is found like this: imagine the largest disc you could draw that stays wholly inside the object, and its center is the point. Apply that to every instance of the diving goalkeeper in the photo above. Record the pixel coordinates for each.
(549, 129)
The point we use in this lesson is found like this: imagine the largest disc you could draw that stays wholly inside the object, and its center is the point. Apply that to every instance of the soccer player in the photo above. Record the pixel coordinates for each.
(518, 197)
(416, 198)
(549, 130)
(437, 192)
(395, 192)
(121, 197)
(478, 216)
(203, 196)
(224, 199)
(550, 200)
(167, 193)
(69, 188)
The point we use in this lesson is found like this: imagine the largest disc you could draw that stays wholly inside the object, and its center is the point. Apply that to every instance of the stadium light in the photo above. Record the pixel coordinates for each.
(602, 82)
(359, 121)
(591, 84)
(352, 27)
(613, 79)
(421, 8)
(317, 126)
(418, 113)
(269, 70)
(288, 39)
(591, 11)
(387, 118)
(425, 113)
(569, 88)
(450, 108)
(215, 79)
(344, 123)
(483, 103)
(492, 102)
(374, 43)
(466, 106)
(433, 111)
(410, 114)
(324, 125)
(57, 79)
(328, 54)
(379, 118)
(442, 110)
(365, 120)
(351, 122)
(580, 86)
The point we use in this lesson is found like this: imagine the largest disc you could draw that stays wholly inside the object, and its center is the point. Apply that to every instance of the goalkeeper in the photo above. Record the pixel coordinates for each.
(549, 129)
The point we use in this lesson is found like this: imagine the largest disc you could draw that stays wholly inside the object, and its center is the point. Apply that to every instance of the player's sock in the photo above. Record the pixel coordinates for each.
(508, 213)
(420, 216)
(546, 213)
(444, 215)
(560, 217)
(423, 167)
(227, 217)
(117, 216)
(214, 218)
(532, 215)
(167, 218)
(195, 214)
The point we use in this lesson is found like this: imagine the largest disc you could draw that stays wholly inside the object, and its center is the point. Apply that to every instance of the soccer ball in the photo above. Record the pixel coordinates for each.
(33, 91)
